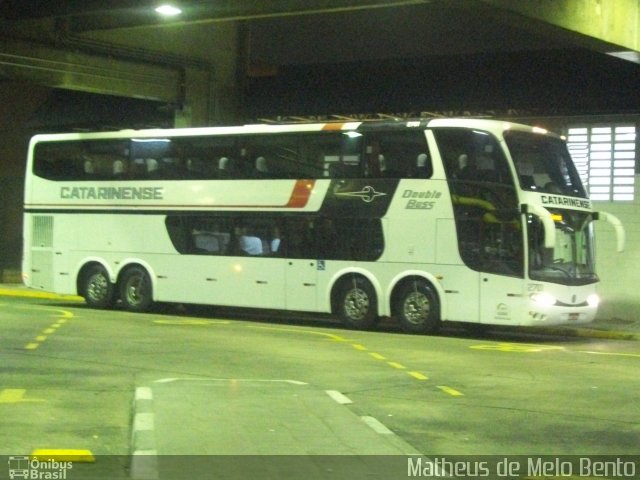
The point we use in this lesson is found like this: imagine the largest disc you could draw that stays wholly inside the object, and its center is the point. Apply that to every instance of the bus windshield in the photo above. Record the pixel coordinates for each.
(543, 164)
(571, 261)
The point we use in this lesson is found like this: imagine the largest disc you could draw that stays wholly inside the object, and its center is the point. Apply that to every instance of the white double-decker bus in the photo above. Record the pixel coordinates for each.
(425, 221)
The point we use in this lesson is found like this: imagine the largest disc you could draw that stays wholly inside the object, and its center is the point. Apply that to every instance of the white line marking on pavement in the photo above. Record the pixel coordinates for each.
(143, 422)
(144, 393)
(376, 425)
(339, 397)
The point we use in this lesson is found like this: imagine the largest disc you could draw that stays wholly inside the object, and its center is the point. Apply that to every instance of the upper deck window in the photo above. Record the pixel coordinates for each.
(332, 154)
(543, 164)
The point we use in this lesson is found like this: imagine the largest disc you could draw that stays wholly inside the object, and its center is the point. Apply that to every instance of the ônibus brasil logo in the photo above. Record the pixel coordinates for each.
(36, 469)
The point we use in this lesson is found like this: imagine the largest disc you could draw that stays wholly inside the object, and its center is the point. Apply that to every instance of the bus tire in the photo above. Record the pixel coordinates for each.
(356, 303)
(417, 307)
(136, 291)
(96, 287)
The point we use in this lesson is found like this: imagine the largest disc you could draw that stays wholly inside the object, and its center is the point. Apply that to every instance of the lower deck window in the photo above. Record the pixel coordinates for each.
(305, 236)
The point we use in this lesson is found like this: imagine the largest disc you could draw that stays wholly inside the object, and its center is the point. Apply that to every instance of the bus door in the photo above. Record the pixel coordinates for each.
(501, 267)
(301, 289)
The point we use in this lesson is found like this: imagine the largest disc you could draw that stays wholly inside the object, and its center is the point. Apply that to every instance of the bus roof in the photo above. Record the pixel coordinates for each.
(491, 125)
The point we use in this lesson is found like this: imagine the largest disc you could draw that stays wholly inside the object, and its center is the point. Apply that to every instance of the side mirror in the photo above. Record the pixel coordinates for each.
(621, 236)
(547, 222)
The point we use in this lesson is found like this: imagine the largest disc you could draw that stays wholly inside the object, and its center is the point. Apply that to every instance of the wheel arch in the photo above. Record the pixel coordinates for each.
(397, 282)
(342, 275)
(85, 265)
(136, 262)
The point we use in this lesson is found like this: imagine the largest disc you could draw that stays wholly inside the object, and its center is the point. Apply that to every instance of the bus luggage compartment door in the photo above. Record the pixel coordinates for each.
(301, 287)
(501, 299)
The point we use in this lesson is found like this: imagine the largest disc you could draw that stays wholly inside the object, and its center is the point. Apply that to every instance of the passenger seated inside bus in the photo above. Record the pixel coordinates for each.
(525, 173)
(118, 169)
(88, 168)
(423, 168)
(261, 167)
(250, 245)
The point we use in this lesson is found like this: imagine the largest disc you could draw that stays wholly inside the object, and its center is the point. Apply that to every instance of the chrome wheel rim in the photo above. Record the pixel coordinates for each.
(97, 287)
(356, 304)
(135, 291)
(417, 308)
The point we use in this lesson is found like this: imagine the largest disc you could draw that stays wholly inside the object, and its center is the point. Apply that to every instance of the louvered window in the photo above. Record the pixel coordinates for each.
(605, 156)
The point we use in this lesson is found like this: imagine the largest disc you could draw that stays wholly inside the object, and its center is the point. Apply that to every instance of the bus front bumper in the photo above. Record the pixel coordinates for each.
(546, 309)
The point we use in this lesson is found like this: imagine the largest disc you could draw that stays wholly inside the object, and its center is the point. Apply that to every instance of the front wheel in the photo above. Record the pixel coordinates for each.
(97, 288)
(356, 303)
(136, 291)
(417, 308)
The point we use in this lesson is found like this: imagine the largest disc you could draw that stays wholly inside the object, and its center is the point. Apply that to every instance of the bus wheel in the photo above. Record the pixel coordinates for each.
(356, 303)
(97, 289)
(135, 289)
(417, 308)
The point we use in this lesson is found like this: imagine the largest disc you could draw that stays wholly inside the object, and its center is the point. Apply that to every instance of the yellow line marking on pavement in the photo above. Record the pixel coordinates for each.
(451, 391)
(397, 365)
(377, 356)
(619, 354)
(17, 292)
(64, 455)
(16, 395)
(357, 346)
(191, 321)
(418, 375)
(516, 347)
(330, 336)
(65, 316)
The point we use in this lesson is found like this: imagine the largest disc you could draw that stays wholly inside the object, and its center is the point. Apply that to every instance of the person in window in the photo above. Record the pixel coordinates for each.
(152, 168)
(249, 244)
(118, 169)
(88, 168)
(262, 170)
(525, 173)
(422, 166)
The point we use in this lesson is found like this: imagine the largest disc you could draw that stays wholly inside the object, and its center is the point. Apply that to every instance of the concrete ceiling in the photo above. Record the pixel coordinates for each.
(256, 48)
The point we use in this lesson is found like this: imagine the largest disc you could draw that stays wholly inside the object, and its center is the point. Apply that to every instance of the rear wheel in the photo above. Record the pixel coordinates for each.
(97, 288)
(136, 291)
(417, 307)
(356, 303)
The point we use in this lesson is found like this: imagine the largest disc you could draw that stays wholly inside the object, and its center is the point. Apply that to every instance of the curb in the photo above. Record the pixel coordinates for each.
(561, 331)
(25, 292)
(144, 456)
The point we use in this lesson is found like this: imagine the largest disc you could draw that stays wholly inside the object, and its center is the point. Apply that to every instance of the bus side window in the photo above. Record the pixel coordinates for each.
(423, 166)
(396, 154)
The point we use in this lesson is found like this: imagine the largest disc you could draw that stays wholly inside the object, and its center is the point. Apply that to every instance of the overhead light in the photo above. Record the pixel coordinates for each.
(168, 10)
(352, 134)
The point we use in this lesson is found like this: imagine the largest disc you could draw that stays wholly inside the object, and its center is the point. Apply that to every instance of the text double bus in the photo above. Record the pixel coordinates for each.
(478, 221)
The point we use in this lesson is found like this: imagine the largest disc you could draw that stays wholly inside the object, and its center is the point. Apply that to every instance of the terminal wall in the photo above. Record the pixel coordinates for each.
(19, 102)
(619, 272)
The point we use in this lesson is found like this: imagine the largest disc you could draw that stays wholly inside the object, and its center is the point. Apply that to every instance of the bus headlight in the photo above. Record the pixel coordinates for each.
(544, 299)
(593, 300)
